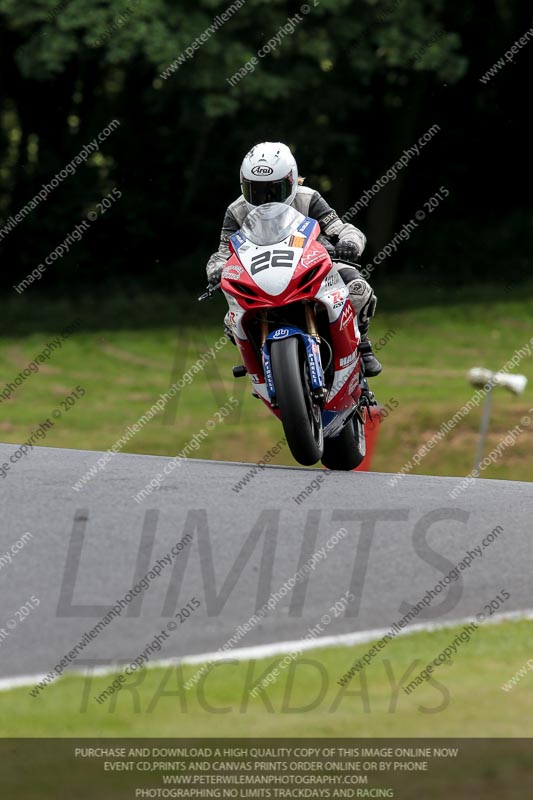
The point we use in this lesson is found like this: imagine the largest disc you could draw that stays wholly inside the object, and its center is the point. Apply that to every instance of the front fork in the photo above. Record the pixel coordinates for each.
(310, 321)
(319, 395)
(264, 328)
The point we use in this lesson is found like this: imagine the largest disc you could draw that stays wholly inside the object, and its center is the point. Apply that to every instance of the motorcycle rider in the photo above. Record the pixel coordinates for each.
(269, 174)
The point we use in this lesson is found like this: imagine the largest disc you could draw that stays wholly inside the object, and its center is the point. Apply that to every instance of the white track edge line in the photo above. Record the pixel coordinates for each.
(274, 648)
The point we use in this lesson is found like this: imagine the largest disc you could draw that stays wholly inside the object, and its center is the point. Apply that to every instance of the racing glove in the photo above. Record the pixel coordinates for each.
(346, 251)
(214, 275)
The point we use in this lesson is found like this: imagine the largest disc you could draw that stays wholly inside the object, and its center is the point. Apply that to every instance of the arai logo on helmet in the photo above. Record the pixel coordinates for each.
(260, 171)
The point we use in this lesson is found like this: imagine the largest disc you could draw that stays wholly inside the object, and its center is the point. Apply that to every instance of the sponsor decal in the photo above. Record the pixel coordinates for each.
(237, 240)
(331, 280)
(337, 298)
(296, 241)
(347, 316)
(313, 369)
(328, 218)
(354, 383)
(232, 273)
(261, 171)
(280, 333)
(311, 258)
(347, 360)
(254, 377)
(268, 374)
(313, 359)
(308, 222)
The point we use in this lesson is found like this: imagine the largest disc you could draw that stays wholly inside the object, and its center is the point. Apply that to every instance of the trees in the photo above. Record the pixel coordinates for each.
(349, 84)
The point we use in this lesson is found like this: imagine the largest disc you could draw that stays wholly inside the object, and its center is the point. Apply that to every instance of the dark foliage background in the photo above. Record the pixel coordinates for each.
(356, 83)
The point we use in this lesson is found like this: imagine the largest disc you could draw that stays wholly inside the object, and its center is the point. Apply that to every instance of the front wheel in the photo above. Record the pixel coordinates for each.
(347, 450)
(300, 416)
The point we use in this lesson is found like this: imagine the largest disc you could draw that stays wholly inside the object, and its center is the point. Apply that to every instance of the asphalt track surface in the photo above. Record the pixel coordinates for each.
(90, 547)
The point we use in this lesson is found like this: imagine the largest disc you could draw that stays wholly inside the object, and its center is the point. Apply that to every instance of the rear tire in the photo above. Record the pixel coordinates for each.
(347, 450)
(301, 418)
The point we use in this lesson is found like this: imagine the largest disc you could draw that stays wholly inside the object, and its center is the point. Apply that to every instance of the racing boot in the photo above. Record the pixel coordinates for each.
(364, 303)
(371, 364)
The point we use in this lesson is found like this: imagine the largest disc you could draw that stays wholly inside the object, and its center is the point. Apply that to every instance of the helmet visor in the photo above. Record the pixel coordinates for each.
(259, 192)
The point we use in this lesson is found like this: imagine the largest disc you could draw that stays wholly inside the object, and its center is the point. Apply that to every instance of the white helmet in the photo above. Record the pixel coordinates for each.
(269, 174)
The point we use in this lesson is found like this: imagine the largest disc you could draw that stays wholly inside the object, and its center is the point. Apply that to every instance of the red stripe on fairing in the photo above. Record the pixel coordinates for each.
(249, 358)
(345, 340)
(344, 337)
(345, 397)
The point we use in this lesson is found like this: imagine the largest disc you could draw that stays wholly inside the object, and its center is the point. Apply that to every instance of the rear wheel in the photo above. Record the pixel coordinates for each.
(300, 416)
(347, 450)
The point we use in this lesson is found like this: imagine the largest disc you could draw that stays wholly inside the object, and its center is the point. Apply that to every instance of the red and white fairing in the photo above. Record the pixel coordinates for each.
(297, 268)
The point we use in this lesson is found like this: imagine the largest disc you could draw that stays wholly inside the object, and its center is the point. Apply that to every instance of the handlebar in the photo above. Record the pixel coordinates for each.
(208, 294)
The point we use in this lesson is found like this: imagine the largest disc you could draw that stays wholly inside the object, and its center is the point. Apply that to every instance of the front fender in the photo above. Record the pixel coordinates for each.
(312, 351)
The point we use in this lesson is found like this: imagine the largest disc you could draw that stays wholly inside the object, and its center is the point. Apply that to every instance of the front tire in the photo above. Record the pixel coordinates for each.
(347, 450)
(300, 416)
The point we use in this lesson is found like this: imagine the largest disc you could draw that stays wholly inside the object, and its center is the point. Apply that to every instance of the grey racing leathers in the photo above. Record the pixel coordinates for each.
(307, 202)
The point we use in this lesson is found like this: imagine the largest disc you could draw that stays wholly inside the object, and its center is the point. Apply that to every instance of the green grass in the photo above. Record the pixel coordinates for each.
(463, 699)
(126, 355)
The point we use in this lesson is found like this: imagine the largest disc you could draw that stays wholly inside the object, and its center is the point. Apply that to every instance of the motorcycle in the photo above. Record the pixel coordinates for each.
(294, 325)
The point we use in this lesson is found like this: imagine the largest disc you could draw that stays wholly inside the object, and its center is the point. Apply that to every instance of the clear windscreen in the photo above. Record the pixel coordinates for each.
(271, 223)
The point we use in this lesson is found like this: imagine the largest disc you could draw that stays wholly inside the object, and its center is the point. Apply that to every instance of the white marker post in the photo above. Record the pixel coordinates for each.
(484, 378)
